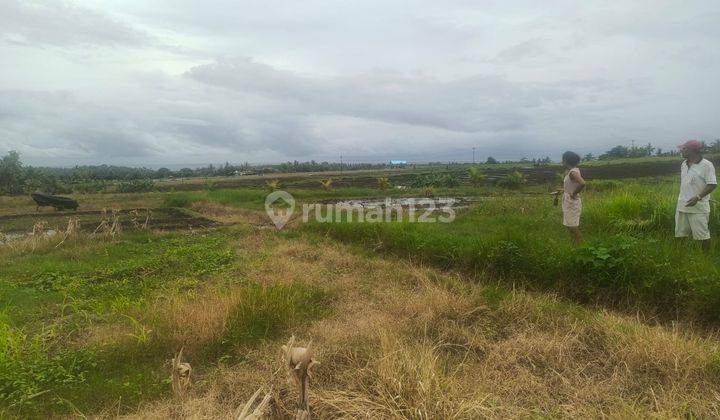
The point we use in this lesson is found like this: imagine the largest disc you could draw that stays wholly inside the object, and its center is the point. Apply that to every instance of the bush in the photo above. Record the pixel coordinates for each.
(137, 185)
(211, 185)
(28, 370)
(476, 176)
(435, 180)
(49, 185)
(326, 184)
(89, 187)
(178, 200)
(273, 185)
(383, 183)
(513, 180)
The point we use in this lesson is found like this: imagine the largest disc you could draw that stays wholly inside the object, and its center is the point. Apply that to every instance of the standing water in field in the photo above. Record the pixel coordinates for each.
(420, 202)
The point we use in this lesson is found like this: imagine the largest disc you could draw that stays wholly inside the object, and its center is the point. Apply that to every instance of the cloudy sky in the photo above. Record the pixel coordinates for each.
(184, 81)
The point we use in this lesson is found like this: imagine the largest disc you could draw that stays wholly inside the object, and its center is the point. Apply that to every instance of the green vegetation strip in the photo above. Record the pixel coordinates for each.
(630, 258)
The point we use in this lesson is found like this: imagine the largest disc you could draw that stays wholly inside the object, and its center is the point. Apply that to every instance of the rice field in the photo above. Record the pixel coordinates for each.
(492, 315)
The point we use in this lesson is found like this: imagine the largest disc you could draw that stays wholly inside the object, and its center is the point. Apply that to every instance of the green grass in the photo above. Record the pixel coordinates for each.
(106, 278)
(266, 311)
(53, 298)
(630, 259)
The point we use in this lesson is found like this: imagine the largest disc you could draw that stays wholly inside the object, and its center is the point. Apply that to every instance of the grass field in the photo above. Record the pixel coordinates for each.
(630, 258)
(493, 315)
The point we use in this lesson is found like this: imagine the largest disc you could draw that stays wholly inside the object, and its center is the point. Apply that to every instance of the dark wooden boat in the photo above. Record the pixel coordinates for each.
(56, 201)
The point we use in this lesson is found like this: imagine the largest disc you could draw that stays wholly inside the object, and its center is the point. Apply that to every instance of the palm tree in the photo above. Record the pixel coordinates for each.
(273, 184)
(476, 176)
(383, 183)
(326, 184)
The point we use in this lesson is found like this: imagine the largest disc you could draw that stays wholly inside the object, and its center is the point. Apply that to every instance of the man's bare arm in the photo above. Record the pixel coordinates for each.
(709, 188)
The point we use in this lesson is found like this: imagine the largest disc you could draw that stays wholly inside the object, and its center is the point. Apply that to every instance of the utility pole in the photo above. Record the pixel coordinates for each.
(341, 165)
(473, 156)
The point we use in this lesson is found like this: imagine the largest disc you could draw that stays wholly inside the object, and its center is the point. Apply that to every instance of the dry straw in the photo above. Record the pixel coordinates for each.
(73, 227)
(298, 362)
(180, 374)
(109, 224)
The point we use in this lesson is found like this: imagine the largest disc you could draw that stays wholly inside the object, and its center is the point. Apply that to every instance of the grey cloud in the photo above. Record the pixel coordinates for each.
(527, 49)
(476, 104)
(479, 104)
(62, 24)
(369, 79)
(176, 120)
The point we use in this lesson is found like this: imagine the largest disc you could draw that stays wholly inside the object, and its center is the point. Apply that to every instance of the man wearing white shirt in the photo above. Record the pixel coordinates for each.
(697, 181)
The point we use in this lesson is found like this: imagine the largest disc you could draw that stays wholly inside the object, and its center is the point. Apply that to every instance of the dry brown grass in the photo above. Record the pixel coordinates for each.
(229, 215)
(409, 342)
(41, 238)
(193, 320)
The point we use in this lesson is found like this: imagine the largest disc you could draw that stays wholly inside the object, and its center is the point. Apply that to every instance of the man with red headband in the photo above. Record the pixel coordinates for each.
(697, 181)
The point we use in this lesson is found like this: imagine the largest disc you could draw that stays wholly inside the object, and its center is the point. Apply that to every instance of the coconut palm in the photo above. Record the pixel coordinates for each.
(476, 176)
(383, 183)
(326, 184)
(273, 184)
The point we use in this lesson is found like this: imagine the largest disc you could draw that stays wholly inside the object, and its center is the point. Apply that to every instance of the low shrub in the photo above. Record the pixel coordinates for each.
(383, 183)
(263, 311)
(31, 373)
(477, 177)
(513, 180)
(435, 180)
(211, 185)
(89, 187)
(177, 200)
(136, 185)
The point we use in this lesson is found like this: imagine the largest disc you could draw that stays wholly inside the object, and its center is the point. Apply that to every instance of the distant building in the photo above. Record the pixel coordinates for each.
(398, 162)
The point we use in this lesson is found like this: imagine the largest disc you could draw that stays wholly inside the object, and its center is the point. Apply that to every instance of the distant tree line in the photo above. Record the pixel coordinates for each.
(623, 152)
(313, 166)
(16, 178)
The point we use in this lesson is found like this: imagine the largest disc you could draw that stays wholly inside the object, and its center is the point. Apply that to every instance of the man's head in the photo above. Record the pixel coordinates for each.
(691, 149)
